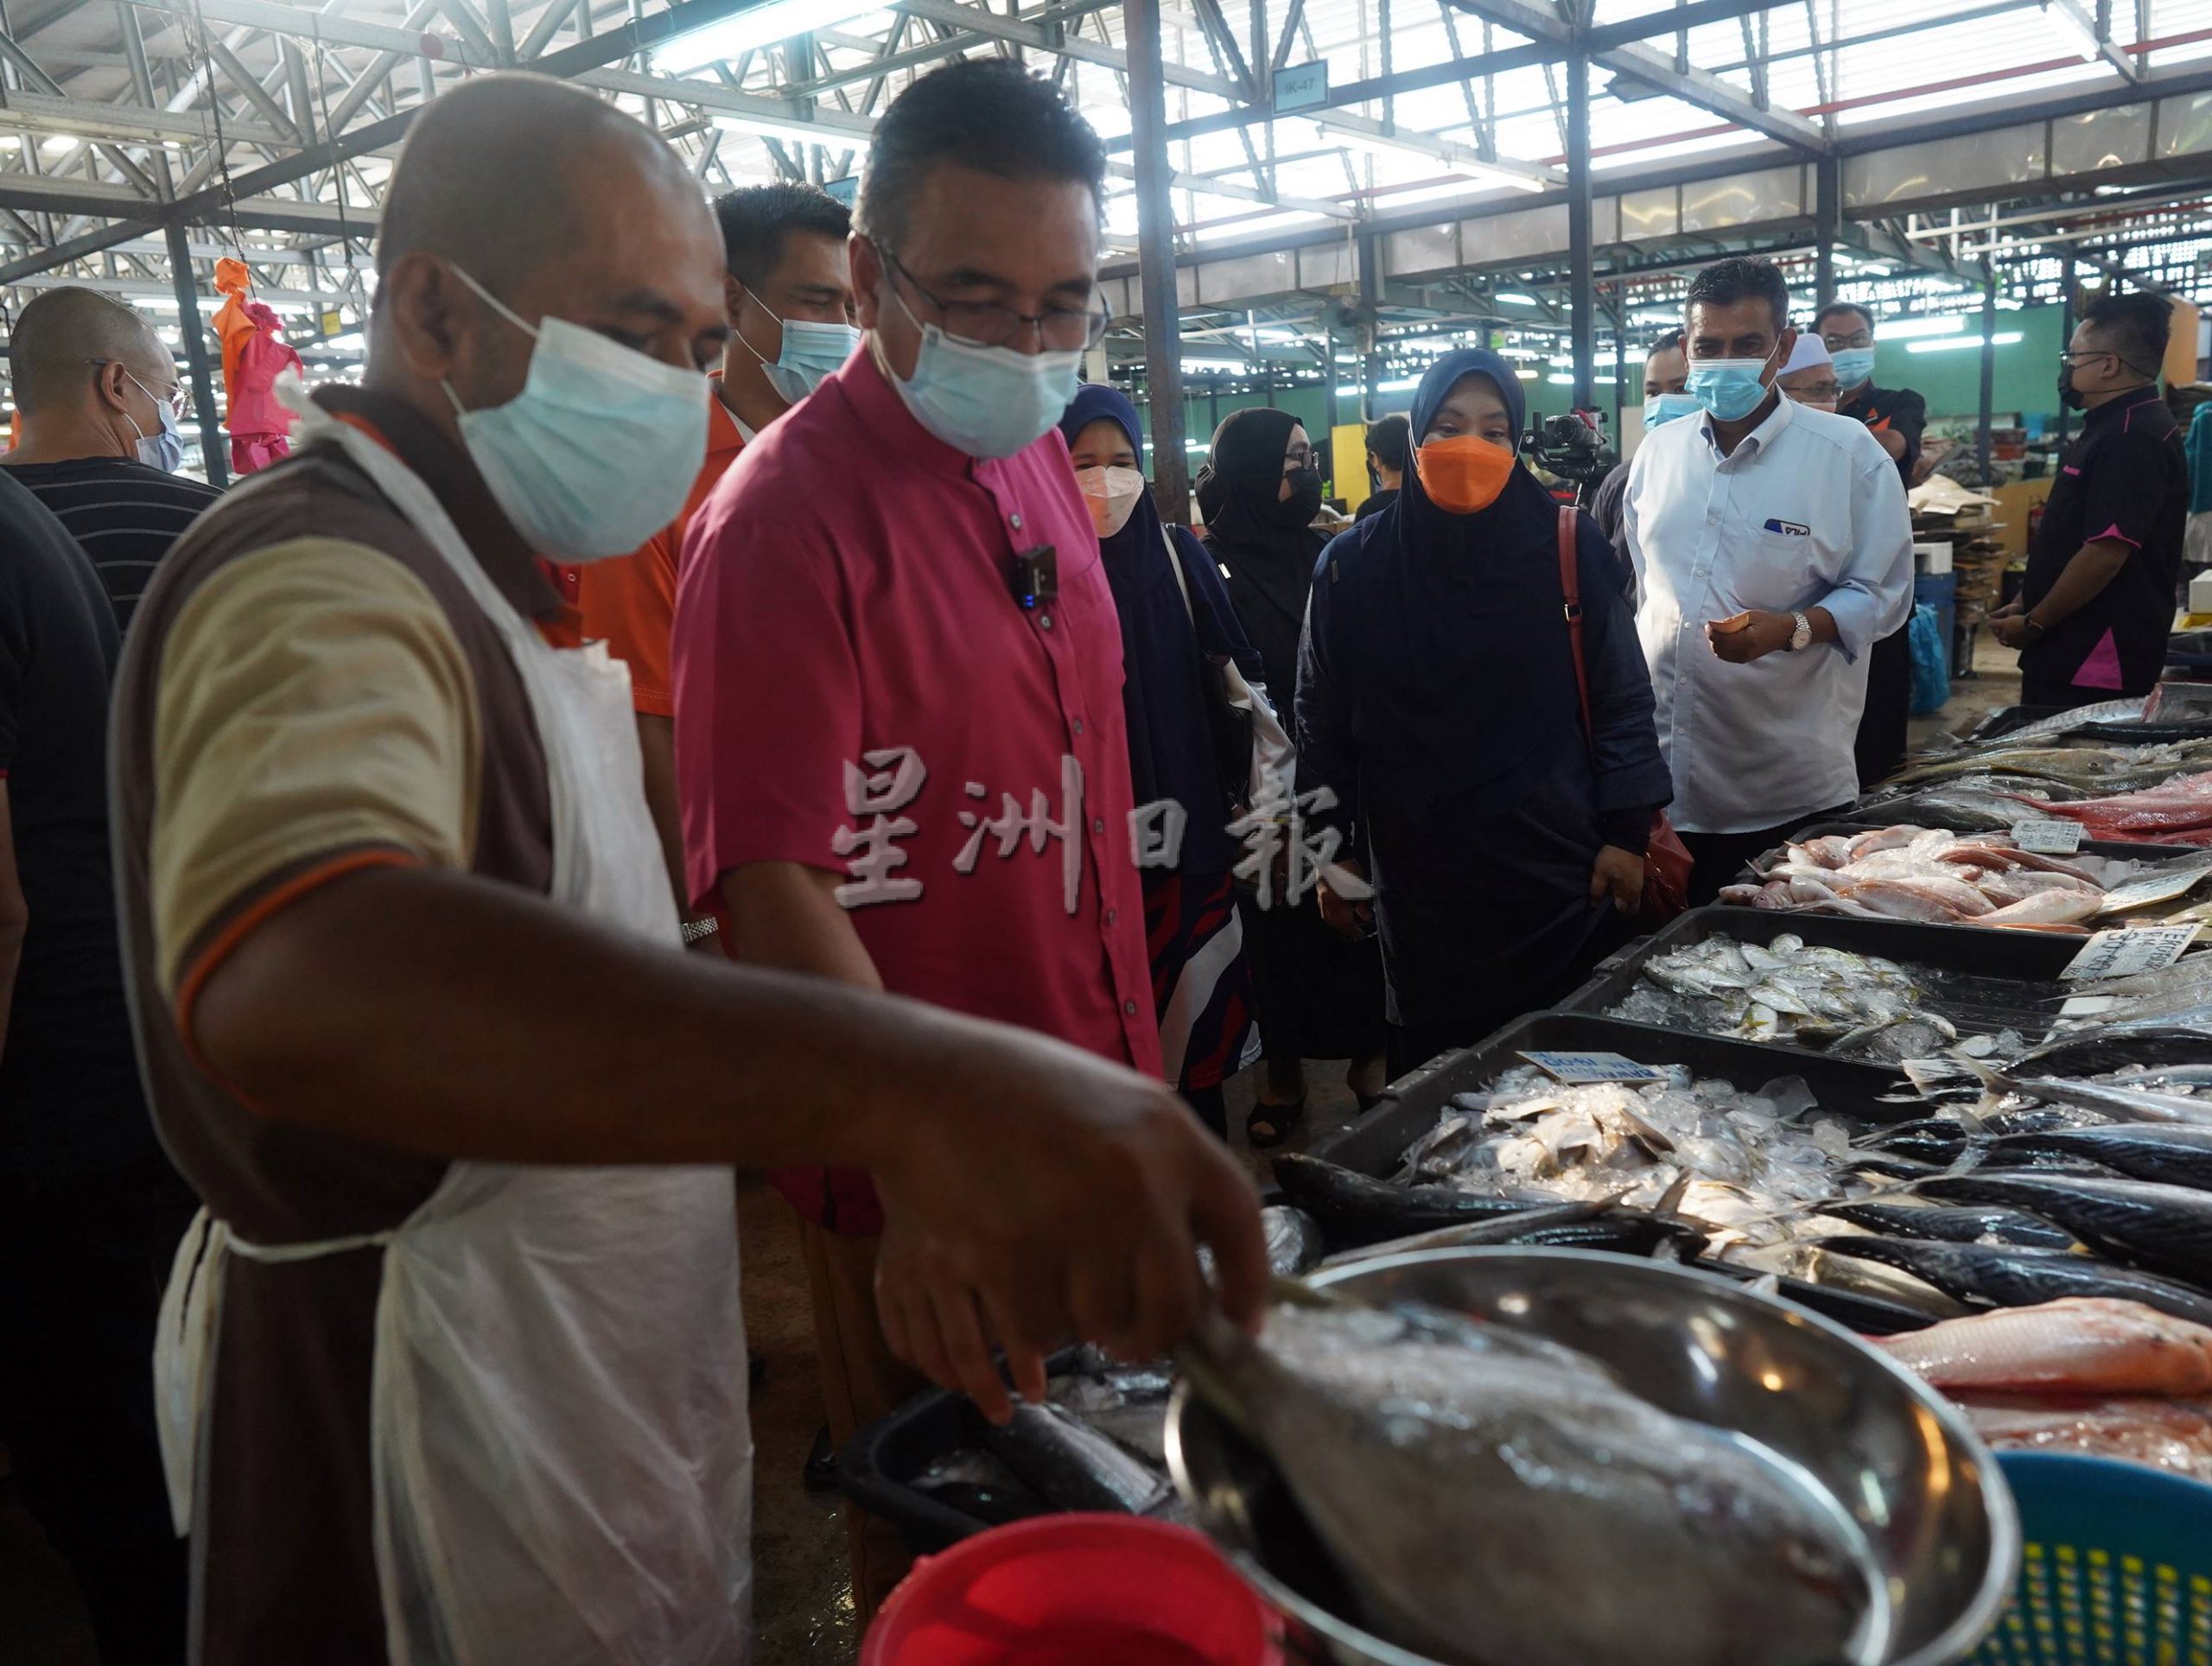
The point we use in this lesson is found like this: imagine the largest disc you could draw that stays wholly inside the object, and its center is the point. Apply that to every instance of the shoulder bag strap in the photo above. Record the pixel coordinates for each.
(1570, 584)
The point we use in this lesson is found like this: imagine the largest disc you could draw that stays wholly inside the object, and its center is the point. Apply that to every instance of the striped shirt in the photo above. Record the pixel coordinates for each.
(123, 515)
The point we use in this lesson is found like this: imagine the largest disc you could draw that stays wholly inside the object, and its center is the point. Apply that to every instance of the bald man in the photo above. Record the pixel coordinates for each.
(97, 407)
(461, 1352)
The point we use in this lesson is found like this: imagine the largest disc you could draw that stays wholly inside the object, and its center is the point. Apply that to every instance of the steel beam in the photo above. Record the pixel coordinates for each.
(1163, 344)
(1019, 32)
(77, 248)
(1988, 377)
(306, 24)
(1582, 285)
(212, 456)
(2099, 29)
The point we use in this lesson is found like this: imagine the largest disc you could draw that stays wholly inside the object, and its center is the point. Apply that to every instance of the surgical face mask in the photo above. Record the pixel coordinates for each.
(1301, 505)
(1729, 388)
(1852, 366)
(1665, 407)
(164, 448)
(986, 402)
(1463, 474)
(1111, 496)
(598, 451)
(810, 353)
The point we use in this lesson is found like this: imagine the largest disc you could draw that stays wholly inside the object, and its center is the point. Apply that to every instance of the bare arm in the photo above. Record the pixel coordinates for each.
(2095, 565)
(1039, 1191)
(1891, 440)
(786, 916)
(657, 743)
(14, 913)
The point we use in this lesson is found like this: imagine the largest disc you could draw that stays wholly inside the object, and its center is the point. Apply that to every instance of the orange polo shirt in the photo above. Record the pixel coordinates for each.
(630, 602)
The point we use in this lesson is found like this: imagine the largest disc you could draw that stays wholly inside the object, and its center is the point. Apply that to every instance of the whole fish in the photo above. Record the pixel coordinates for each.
(1294, 1242)
(1964, 1224)
(2162, 1229)
(1354, 1210)
(2174, 1153)
(1072, 1465)
(1512, 1228)
(2097, 1052)
(2005, 1275)
(2122, 1103)
(1410, 1436)
(2080, 1346)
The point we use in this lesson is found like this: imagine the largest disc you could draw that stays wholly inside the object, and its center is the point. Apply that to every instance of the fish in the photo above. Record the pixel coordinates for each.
(1809, 1262)
(2162, 1229)
(2122, 1103)
(1788, 991)
(1962, 1223)
(2006, 1275)
(2098, 1051)
(1409, 1437)
(1512, 1228)
(2174, 1435)
(1355, 1210)
(2046, 908)
(2078, 1345)
(1072, 1465)
(979, 1486)
(1295, 1240)
(2175, 1153)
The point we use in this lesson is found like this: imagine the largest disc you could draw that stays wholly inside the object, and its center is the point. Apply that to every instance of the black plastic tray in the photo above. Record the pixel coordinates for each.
(877, 1467)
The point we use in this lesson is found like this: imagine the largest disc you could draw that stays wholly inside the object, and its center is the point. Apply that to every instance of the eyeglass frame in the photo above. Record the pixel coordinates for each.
(1099, 314)
(180, 402)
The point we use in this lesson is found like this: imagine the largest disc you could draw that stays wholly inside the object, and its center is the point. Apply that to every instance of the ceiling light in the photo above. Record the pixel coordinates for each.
(756, 25)
(1907, 329)
(1514, 298)
(2003, 339)
(830, 138)
(1526, 375)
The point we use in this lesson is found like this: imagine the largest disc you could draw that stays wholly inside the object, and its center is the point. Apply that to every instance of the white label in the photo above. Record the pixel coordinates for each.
(2087, 1006)
(2122, 954)
(2047, 836)
(1576, 1068)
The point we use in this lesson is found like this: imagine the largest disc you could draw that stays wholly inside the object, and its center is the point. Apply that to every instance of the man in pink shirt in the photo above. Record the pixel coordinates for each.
(898, 669)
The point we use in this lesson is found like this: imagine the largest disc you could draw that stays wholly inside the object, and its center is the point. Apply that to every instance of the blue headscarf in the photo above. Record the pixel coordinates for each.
(1166, 647)
(1523, 512)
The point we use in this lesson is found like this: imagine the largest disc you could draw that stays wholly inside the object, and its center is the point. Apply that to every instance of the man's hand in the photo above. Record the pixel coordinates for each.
(1750, 636)
(1352, 919)
(2010, 626)
(1062, 1198)
(1619, 873)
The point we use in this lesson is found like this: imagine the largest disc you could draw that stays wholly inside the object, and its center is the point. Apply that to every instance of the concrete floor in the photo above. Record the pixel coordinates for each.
(802, 1599)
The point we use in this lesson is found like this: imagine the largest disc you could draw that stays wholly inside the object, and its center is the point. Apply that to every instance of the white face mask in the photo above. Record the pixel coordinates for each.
(1111, 496)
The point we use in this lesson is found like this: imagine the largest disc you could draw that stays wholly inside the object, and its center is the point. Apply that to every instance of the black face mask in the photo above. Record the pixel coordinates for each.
(1304, 502)
(2069, 394)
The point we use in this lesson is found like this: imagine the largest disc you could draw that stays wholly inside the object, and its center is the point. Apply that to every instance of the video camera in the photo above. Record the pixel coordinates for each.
(1572, 447)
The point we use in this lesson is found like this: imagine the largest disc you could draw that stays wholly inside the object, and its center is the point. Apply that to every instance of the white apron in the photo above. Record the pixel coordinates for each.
(562, 1464)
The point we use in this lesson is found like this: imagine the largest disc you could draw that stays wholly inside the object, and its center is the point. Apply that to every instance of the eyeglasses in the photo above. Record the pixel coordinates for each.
(2069, 358)
(985, 324)
(178, 399)
(1818, 393)
(1838, 343)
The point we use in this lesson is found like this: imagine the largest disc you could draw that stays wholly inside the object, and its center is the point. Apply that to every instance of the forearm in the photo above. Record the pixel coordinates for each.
(656, 742)
(1892, 441)
(11, 955)
(785, 916)
(2094, 567)
(435, 1013)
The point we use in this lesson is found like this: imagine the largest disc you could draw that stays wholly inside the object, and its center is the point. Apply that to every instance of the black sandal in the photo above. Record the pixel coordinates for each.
(1278, 1119)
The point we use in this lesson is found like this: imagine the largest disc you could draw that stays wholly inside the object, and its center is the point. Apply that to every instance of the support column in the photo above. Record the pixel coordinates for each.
(1370, 300)
(1988, 373)
(213, 456)
(1163, 324)
(1828, 225)
(2065, 334)
(1581, 283)
(1620, 368)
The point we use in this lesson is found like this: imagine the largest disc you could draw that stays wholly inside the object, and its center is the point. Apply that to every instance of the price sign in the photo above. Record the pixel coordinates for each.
(2123, 953)
(1576, 1069)
(2047, 836)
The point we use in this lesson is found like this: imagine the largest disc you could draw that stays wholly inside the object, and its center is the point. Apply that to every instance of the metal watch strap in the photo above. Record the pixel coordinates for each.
(1801, 633)
(696, 929)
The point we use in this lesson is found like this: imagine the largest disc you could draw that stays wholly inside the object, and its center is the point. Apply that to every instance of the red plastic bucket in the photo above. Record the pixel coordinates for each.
(1082, 1590)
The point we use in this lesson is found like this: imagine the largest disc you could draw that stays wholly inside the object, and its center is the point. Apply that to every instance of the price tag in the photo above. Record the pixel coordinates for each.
(2123, 953)
(2087, 1006)
(1575, 1069)
(2047, 836)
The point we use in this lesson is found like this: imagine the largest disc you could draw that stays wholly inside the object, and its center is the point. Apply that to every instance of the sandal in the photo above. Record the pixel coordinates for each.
(1266, 1126)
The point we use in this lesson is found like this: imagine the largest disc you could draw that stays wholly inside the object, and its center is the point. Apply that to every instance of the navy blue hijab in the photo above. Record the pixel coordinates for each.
(1165, 649)
(1524, 512)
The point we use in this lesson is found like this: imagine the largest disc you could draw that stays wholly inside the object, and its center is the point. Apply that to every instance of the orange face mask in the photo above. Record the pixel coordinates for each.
(1463, 474)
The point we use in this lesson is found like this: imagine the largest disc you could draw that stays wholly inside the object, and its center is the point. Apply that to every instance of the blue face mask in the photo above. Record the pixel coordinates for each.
(1729, 388)
(986, 402)
(1852, 366)
(164, 448)
(598, 451)
(810, 353)
(1665, 407)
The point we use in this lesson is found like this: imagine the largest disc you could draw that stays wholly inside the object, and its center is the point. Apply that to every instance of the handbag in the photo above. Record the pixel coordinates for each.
(1667, 859)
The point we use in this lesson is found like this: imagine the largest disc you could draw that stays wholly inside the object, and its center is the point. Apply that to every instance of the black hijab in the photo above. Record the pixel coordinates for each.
(1268, 547)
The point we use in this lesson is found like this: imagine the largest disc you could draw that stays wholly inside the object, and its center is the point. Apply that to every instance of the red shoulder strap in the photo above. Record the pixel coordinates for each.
(1570, 585)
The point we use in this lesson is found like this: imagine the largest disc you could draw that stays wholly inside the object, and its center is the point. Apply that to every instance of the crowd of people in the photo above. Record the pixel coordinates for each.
(765, 582)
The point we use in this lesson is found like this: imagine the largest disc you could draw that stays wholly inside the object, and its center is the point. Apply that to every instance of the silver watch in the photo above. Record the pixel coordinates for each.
(1800, 638)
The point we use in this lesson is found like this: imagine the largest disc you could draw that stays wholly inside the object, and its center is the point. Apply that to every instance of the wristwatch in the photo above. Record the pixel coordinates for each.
(2034, 626)
(1803, 636)
(696, 929)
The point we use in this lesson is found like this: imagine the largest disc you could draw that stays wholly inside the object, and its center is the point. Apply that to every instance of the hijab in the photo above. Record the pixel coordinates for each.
(1240, 487)
(1523, 513)
(1166, 643)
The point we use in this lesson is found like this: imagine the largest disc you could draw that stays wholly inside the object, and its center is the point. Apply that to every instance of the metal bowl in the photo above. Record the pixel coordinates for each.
(1897, 1457)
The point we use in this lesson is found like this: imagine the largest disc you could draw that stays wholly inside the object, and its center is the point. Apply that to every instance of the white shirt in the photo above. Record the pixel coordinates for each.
(1807, 512)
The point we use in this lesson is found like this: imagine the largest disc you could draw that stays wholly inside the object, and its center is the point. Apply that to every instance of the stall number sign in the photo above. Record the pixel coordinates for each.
(2047, 836)
(1302, 86)
(2122, 954)
(1576, 1068)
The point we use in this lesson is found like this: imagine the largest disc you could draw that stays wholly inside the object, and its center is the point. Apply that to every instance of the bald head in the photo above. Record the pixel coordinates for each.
(58, 335)
(558, 205)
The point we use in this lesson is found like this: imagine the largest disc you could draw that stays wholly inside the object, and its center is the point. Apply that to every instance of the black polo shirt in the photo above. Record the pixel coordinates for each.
(1890, 410)
(70, 1103)
(2125, 480)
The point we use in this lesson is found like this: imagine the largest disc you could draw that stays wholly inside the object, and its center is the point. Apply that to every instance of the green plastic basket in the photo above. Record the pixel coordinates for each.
(2116, 1566)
